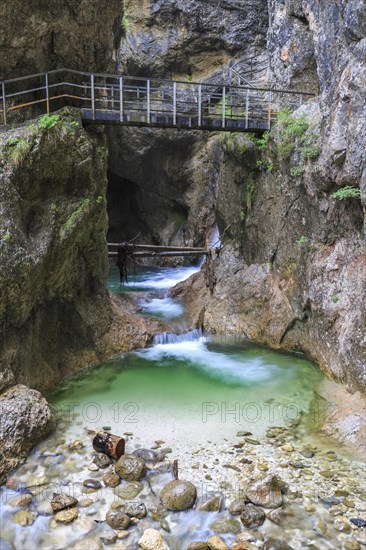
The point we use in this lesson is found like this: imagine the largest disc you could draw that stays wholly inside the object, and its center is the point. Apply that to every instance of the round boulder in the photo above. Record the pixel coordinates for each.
(130, 468)
(117, 519)
(178, 495)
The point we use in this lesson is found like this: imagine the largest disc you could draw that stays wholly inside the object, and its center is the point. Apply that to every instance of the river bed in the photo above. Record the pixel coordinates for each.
(229, 411)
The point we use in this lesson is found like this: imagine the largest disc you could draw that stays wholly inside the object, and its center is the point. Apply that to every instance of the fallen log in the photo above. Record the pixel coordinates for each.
(109, 444)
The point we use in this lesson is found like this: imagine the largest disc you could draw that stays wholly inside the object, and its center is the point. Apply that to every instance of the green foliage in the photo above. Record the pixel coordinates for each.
(12, 142)
(19, 149)
(74, 124)
(99, 199)
(262, 142)
(7, 237)
(74, 216)
(303, 240)
(249, 192)
(291, 129)
(335, 299)
(234, 143)
(297, 171)
(189, 77)
(47, 122)
(310, 151)
(347, 192)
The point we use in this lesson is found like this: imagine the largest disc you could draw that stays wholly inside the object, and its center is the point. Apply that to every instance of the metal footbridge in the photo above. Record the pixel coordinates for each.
(145, 102)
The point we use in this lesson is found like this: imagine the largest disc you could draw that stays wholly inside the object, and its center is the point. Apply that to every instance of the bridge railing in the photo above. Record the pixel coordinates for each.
(132, 100)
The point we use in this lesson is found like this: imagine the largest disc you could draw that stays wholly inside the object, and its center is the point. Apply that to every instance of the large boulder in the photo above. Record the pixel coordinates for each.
(26, 418)
(178, 495)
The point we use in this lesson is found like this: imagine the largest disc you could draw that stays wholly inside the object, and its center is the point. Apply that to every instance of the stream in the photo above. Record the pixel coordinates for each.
(229, 411)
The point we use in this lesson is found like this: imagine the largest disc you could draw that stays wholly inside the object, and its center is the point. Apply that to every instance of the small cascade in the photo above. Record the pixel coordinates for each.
(165, 338)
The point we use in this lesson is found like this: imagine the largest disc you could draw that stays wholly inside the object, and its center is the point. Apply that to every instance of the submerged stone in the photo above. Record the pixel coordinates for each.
(67, 516)
(252, 516)
(62, 502)
(118, 519)
(226, 525)
(216, 543)
(265, 492)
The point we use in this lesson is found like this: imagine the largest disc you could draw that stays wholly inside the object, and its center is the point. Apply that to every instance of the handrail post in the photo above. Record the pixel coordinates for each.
(199, 104)
(120, 99)
(174, 103)
(92, 95)
(47, 95)
(223, 106)
(112, 96)
(148, 102)
(4, 101)
(247, 109)
(269, 108)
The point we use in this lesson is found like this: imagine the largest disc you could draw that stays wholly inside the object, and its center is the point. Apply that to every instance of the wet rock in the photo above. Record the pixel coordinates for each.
(326, 473)
(20, 501)
(92, 485)
(89, 544)
(107, 535)
(243, 434)
(252, 516)
(178, 495)
(152, 540)
(249, 536)
(226, 525)
(117, 519)
(198, 546)
(102, 461)
(24, 518)
(252, 441)
(287, 448)
(276, 544)
(358, 522)
(25, 420)
(265, 492)
(130, 468)
(216, 543)
(342, 525)
(76, 445)
(213, 504)
(93, 467)
(165, 525)
(244, 546)
(158, 512)
(237, 506)
(330, 501)
(306, 453)
(62, 502)
(149, 455)
(231, 467)
(128, 491)
(280, 516)
(136, 509)
(86, 502)
(111, 479)
(67, 516)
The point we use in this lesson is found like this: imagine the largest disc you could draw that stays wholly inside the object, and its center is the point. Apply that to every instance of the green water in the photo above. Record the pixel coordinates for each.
(201, 389)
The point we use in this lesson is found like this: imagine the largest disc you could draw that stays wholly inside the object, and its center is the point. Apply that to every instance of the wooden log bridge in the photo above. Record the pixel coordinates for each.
(154, 251)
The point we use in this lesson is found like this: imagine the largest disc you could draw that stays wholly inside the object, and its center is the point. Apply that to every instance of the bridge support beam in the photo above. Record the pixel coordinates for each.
(4, 101)
(148, 102)
(121, 99)
(92, 94)
(174, 103)
(223, 106)
(199, 104)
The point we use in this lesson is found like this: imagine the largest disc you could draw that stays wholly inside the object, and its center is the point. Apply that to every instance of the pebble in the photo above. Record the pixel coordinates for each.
(307, 453)
(111, 479)
(24, 518)
(117, 519)
(178, 495)
(128, 491)
(287, 448)
(216, 543)
(92, 485)
(67, 516)
(252, 516)
(198, 546)
(93, 467)
(76, 445)
(20, 501)
(243, 434)
(252, 441)
(226, 525)
(358, 522)
(326, 473)
(102, 461)
(152, 540)
(62, 502)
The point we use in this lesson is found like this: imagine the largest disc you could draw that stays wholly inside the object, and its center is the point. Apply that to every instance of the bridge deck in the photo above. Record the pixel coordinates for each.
(136, 101)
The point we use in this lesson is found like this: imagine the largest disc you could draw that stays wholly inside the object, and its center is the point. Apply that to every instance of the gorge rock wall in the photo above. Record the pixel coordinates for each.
(55, 312)
(40, 35)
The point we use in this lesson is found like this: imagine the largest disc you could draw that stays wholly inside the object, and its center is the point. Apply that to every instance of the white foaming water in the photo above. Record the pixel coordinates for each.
(166, 338)
(163, 307)
(192, 349)
(165, 279)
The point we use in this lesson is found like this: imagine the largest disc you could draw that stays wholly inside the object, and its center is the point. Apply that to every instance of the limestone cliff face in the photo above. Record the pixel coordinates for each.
(189, 38)
(55, 311)
(40, 35)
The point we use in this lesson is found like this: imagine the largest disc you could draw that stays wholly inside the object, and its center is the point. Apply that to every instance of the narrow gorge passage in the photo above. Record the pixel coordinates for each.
(217, 405)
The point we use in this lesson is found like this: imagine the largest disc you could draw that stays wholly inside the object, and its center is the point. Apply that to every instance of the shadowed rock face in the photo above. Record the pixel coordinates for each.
(55, 312)
(40, 35)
